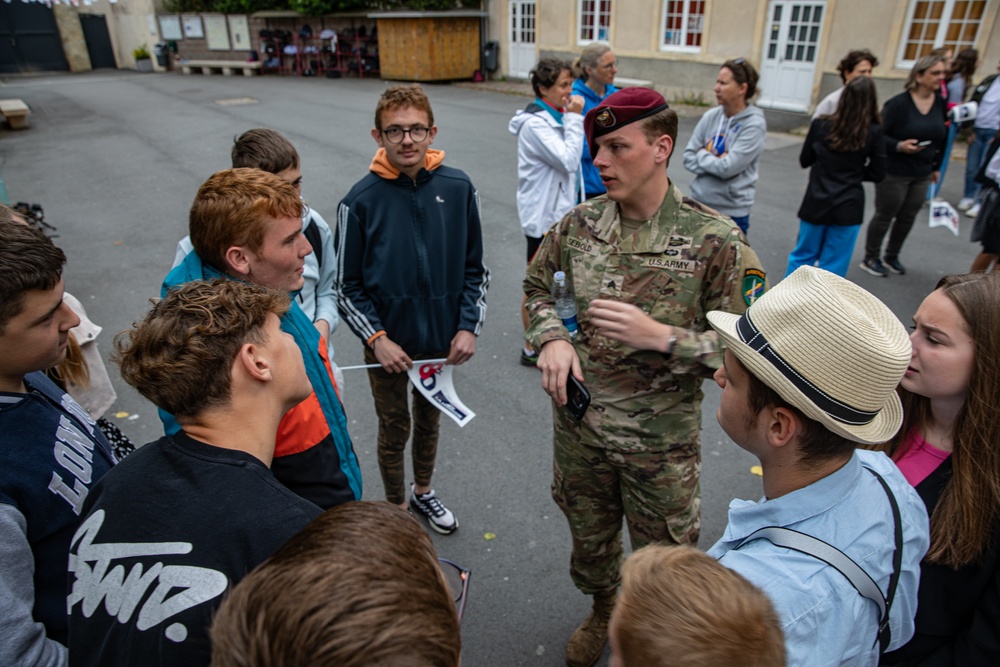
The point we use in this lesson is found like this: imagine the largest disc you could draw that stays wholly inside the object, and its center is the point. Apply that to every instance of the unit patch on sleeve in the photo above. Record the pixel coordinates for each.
(754, 281)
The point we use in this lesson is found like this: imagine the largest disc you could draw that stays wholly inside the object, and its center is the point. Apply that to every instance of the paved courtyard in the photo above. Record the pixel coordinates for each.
(115, 158)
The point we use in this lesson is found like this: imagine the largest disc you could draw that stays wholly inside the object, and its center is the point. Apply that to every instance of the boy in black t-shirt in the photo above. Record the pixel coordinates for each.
(186, 517)
(51, 451)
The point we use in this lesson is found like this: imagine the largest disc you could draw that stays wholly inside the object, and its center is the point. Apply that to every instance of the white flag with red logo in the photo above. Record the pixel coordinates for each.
(943, 215)
(433, 380)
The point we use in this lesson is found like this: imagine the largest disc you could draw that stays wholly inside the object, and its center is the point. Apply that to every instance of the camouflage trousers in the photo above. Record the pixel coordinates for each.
(655, 489)
(393, 411)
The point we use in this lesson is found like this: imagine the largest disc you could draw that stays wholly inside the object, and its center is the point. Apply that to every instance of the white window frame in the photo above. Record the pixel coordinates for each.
(683, 48)
(939, 37)
(519, 28)
(596, 28)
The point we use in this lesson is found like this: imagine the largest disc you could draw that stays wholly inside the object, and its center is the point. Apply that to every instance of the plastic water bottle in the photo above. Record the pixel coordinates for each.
(562, 293)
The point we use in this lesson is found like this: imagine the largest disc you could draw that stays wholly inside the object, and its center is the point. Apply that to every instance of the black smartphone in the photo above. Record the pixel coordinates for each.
(578, 398)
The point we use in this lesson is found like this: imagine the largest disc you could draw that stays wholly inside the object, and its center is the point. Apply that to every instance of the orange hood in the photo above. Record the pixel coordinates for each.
(382, 167)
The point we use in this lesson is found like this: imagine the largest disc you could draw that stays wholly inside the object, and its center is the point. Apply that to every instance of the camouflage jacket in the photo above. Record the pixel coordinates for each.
(684, 262)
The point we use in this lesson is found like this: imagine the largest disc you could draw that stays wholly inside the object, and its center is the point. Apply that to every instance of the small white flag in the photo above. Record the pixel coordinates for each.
(943, 215)
(433, 380)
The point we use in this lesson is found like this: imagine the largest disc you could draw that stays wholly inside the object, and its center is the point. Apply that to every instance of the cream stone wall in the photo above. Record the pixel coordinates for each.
(990, 56)
(131, 23)
(737, 28)
(498, 30)
(555, 24)
(71, 36)
(632, 32)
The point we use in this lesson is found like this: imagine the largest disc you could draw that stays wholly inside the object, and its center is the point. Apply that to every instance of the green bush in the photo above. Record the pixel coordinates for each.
(222, 6)
(322, 7)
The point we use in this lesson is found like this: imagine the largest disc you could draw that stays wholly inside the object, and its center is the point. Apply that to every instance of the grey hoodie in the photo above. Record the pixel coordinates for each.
(727, 184)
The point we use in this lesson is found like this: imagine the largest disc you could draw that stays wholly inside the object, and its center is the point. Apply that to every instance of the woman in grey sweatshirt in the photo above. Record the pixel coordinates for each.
(725, 148)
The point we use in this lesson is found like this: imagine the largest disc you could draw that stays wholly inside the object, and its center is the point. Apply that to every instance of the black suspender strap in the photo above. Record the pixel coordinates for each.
(838, 560)
(884, 634)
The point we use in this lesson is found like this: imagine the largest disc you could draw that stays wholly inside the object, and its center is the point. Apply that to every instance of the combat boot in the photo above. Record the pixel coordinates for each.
(588, 640)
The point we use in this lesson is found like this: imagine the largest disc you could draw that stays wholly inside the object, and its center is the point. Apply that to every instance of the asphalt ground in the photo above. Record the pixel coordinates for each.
(115, 158)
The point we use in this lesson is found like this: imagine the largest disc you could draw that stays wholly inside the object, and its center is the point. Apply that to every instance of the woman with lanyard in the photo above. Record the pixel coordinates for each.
(595, 70)
(725, 149)
(549, 147)
(914, 133)
(947, 449)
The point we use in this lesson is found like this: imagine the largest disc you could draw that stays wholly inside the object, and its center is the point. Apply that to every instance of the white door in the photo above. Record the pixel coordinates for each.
(790, 49)
(521, 49)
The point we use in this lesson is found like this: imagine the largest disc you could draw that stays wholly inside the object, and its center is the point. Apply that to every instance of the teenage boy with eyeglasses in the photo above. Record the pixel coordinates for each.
(412, 283)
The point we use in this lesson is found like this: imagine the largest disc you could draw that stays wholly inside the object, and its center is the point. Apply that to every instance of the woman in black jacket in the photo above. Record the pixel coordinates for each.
(949, 450)
(914, 133)
(843, 150)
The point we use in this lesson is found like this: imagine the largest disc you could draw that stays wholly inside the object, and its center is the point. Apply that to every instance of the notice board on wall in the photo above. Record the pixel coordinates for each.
(216, 33)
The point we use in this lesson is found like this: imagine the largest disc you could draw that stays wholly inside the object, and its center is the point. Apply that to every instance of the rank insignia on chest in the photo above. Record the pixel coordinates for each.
(754, 281)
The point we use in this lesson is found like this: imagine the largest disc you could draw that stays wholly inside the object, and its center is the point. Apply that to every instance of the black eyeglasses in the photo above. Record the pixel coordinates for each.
(394, 135)
(458, 581)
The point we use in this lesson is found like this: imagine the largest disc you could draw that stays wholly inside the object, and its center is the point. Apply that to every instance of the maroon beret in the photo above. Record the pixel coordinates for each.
(619, 109)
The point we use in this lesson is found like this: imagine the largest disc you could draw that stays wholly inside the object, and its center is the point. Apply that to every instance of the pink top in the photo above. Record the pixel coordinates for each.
(919, 458)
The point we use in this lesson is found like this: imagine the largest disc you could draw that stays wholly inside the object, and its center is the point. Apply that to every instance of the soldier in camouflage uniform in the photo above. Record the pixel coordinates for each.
(646, 265)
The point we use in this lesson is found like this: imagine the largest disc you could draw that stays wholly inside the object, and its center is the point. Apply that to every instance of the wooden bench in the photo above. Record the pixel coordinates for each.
(227, 67)
(16, 112)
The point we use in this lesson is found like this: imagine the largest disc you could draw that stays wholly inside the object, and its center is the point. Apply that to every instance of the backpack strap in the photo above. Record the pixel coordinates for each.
(311, 233)
(838, 560)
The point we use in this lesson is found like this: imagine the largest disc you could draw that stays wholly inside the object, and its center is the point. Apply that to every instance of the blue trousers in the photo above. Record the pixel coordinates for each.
(974, 159)
(826, 246)
(743, 222)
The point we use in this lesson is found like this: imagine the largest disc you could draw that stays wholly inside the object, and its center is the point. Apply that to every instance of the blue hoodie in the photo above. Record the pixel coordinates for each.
(592, 183)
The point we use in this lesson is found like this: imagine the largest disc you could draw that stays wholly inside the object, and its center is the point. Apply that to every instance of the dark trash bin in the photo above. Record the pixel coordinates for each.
(162, 53)
(490, 54)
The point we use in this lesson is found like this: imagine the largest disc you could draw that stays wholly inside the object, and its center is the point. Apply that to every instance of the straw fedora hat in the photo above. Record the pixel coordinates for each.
(827, 347)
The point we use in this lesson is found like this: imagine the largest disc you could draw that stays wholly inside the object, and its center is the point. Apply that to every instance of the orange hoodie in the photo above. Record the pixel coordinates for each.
(382, 167)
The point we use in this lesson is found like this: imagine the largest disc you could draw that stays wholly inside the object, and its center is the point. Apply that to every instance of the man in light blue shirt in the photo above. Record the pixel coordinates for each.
(810, 371)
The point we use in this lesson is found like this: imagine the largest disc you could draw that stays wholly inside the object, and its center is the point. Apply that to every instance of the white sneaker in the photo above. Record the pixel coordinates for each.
(973, 212)
(965, 203)
(438, 516)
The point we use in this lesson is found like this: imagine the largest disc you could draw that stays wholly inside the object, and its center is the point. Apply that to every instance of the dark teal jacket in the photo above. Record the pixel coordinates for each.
(313, 454)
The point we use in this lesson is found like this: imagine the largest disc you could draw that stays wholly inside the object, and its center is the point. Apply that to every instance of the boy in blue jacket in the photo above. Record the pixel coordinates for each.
(412, 283)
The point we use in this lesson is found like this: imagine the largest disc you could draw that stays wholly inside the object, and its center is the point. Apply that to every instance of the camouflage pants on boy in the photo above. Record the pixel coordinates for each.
(393, 410)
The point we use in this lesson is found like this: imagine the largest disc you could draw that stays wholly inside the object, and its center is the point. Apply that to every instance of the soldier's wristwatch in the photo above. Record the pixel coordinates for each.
(670, 345)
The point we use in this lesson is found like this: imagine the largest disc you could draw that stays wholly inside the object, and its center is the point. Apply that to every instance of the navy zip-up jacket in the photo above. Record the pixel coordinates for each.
(411, 258)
